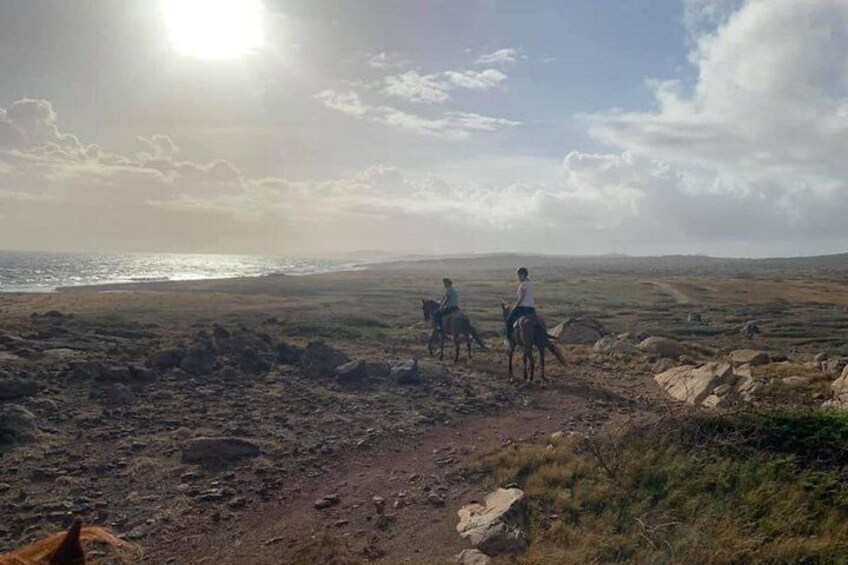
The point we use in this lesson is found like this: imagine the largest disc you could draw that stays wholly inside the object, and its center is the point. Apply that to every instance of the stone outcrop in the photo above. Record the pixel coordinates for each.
(582, 330)
(694, 385)
(616, 346)
(406, 373)
(663, 347)
(212, 450)
(321, 360)
(498, 526)
(750, 357)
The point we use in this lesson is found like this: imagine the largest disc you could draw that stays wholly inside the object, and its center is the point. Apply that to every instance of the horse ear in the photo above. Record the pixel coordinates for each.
(70, 550)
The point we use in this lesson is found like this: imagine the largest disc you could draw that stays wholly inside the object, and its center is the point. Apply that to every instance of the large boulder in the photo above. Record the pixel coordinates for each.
(582, 330)
(351, 372)
(750, 357)
(199, 359)
(615, 346)
(13, 387)
(17, 424)
(288, 354)
(498, 526)
(663, 347)
(472, 557)
(166, 358)
(218, 450)
(694, 384)
(321, 360)
(406, 372)
(840, 392)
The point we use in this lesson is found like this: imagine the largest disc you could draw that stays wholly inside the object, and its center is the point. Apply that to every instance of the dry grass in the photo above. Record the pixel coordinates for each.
(712, 489)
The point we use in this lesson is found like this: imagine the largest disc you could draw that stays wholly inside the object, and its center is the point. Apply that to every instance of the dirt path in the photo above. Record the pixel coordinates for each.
(415, 475)
(678, 295)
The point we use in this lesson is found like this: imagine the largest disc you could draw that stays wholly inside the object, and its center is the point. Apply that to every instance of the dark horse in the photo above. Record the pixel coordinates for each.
(456, 325)
(530, 331)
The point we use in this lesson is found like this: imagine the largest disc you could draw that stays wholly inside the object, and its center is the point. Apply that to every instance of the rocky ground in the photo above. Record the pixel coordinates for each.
(236, 422)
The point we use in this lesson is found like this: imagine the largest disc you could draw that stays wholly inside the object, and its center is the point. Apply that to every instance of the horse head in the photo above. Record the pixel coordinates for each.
(66, 548)
(428, 310)
(506, 308)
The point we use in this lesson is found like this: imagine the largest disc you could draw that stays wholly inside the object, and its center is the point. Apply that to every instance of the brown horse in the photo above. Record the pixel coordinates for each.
(456, 325)
(530, 331)
(65, 548)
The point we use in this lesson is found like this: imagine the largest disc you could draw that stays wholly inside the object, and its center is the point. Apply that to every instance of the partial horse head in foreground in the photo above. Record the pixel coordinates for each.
(66, 548)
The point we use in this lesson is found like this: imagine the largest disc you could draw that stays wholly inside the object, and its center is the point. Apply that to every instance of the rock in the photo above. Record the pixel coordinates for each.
(581, 330)
(836, 365)
(6, 357)
(12, 388)
(326, 501)
(228, 373)
(211, 450)
(663, 364)
(165, 359)
(351, 372)
(556, 436)
(747, 386)
(377, 369)
(251, 361)
(497, 526)
(820, 358)
(472, 557)
(795, 381)
(749, 357)
(220, 333)
(321, 360)
(288, 354)
(142, 374)
(749, 330)
(17, 424)
(693, 317)
(199, 360)
(778, 357)
(116, 395)
(744, 371)
(435, 500)
(662, 347)
(687, 360)
(406, 372)
(615, 346)
(694, 384)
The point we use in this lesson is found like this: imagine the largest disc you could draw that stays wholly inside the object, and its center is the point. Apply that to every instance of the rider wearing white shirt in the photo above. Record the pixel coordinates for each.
(525, 305)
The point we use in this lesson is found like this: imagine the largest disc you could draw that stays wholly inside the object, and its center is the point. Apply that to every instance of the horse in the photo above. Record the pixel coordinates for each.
(530, 331)
(456, 324)
(65, 548)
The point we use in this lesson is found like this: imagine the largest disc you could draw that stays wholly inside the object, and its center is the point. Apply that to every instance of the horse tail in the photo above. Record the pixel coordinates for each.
(557, 353)
(476, 337)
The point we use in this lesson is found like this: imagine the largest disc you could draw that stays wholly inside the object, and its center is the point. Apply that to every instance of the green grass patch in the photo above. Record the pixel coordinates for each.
(354, 328)
(748, 488)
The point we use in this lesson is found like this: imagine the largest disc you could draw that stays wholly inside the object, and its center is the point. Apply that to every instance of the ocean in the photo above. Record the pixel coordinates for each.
(45, 272)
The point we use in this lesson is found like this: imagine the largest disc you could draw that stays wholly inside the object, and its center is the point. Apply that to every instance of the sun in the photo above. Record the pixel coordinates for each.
(214, 29)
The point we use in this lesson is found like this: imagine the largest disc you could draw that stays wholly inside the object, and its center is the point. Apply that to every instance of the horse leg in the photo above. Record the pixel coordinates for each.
(456, 347)
(468, 343)
(542, 364)
(432, 339)
(527, 354)
(511, 351)
(442, 349)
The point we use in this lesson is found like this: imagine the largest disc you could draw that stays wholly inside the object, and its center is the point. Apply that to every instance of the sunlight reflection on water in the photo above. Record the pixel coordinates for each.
(44, 272)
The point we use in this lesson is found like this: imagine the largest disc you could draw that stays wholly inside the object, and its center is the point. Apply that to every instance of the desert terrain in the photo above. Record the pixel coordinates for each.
(208, 421)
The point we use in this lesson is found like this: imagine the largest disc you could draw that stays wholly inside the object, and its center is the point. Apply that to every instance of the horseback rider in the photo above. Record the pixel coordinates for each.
(524, 304)
(448, 305)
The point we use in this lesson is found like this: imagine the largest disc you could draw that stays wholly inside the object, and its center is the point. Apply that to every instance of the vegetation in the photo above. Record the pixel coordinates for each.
(744, 488)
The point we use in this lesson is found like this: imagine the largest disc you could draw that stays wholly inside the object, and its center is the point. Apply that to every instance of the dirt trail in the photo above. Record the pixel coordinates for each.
(405, 469)
(678, 295)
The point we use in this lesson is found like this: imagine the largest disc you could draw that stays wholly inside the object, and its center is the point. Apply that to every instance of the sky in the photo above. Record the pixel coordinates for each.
(320, 127)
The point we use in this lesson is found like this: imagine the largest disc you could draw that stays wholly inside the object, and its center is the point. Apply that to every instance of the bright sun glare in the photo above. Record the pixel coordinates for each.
(214, 29)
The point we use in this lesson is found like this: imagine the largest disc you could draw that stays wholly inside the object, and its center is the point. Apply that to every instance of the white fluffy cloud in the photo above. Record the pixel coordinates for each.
(435, 88)
(449, 125)
(505, 56)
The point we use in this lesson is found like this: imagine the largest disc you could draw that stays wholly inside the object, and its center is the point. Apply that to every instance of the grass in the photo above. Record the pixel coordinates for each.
(744, 488)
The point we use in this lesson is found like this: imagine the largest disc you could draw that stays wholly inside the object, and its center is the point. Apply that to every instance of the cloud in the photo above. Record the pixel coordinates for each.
(504, 57)
(451, 125)
(434, 88)
(387, 61)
